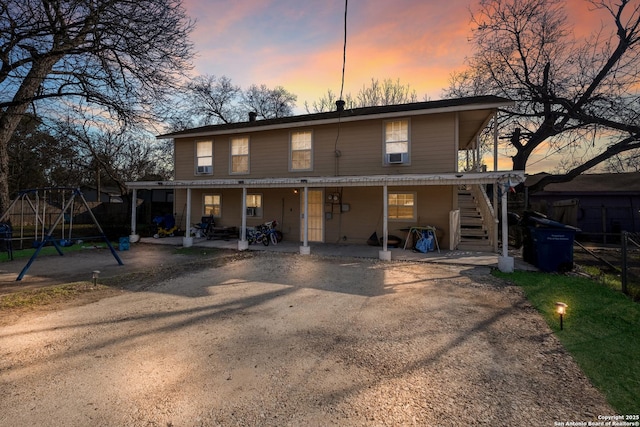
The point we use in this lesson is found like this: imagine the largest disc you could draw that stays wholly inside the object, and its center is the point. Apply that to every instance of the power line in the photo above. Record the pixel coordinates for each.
(344, 47)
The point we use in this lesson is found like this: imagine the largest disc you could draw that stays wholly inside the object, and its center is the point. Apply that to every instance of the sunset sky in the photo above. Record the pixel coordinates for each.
(298, 44)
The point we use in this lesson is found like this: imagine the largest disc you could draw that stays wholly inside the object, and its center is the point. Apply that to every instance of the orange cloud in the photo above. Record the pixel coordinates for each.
(298, 45)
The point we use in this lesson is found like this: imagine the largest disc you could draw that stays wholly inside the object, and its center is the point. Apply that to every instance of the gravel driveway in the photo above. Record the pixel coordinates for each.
(283, 339)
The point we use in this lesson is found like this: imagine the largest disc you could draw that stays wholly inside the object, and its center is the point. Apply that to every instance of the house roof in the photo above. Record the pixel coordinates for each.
(591, 183)
(471, 122)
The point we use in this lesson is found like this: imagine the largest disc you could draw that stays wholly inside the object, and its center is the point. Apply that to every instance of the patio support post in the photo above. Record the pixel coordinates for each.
(496, 184)
(305, 249)
(243, 245)
(456, 144)
(134, 237)
(478, 167)
(187, 240)
(384, 254)
(495, 141)
(505, 262)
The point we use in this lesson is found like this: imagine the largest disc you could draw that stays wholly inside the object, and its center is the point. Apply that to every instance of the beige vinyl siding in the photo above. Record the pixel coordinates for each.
(365, 213)
(185, 157)
(360, 145)
(432, 142)
(281, 204)
(363, 218)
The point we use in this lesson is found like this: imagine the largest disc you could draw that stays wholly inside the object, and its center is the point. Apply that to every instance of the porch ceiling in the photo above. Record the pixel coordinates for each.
(339, 181)
(470, 124)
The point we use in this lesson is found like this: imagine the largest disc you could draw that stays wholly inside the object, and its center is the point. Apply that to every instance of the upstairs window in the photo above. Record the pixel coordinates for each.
(301, 158)
(396, 142)
(239, 155)
(204, 158)
(402, 206)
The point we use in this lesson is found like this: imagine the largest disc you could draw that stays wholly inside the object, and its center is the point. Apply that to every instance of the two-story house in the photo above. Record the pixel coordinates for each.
(339, 176)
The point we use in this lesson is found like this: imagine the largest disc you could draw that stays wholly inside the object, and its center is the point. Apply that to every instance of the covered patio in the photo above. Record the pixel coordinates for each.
(455, 257)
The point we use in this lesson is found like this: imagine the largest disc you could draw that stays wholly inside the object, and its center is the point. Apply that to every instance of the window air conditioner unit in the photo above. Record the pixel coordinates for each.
(396, 158)
(251, 211)
(204, 169)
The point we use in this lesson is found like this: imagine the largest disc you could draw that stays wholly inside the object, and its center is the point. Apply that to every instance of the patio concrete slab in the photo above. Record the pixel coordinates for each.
(455, 257)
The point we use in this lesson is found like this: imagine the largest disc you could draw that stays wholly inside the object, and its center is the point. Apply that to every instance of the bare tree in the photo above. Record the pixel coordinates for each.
(387, 92)
(115, 57)
(33, 154)
(570, 93)
(207, 100)
(114, 156)
(212, 100)
(628, 163)
(327, 102)
(269, 103)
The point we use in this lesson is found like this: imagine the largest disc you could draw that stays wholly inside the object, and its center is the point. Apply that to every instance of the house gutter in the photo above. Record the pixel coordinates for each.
(258, 127)
(332, 181)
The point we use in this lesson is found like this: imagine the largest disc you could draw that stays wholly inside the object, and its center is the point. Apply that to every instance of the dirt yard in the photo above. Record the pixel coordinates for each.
(278, 339)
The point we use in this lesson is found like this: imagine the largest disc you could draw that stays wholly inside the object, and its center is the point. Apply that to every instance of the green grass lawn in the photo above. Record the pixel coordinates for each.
(601, 331)
(51, 250)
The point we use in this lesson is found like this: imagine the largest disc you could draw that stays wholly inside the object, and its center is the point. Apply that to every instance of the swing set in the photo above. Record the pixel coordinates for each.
(32, 206)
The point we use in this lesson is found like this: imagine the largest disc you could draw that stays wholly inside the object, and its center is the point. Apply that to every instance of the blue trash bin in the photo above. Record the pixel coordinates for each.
(550, 245)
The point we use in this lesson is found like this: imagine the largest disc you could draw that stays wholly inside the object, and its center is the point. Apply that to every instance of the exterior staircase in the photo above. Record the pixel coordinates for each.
(474, 234)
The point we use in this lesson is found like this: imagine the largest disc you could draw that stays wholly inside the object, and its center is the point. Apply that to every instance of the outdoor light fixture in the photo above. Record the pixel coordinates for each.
(561, 309)
(95, 276)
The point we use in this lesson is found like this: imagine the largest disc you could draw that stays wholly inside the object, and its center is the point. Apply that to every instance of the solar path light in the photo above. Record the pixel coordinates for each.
(561, 309)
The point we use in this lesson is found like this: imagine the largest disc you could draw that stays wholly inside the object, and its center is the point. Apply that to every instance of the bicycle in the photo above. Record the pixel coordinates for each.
(257, 235)
(274, 236)
(265, 233)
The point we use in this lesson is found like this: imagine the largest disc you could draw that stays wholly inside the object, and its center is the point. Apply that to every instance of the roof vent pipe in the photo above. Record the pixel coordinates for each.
(252, 116)
(340, 105)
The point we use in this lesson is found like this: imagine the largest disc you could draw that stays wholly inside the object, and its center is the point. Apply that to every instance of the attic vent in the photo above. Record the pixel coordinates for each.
(252, 116)
(340, 105)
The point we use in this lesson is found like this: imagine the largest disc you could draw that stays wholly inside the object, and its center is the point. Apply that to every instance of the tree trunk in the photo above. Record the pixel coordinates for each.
(519, 160)
(10, 119)
(4, 167)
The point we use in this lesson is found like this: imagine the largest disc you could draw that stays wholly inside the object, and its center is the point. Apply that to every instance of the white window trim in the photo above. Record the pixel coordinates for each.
(204, 205)
(415, 207)
(231, 155)
(291, 169)
(259, 209)
(385, 162)
(197, 157)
